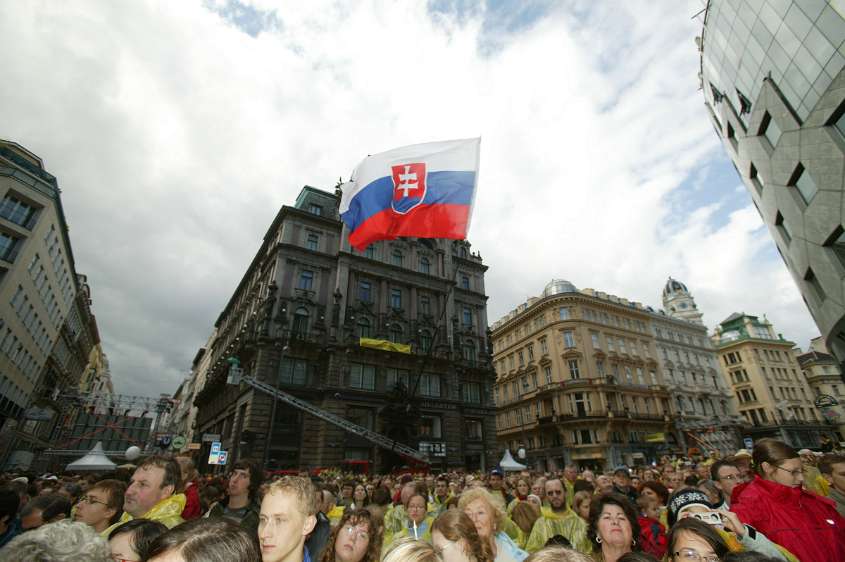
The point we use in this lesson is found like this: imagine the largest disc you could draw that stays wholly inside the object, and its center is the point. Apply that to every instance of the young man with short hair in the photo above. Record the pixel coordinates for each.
(241, 506)
(154, 492)
(726, 476)
(287, 518)
(832, 468)
(101, 506)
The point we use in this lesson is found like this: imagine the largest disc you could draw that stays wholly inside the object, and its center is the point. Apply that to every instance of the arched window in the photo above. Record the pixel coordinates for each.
(364, 327)
(396, 333)
(425, 265)
(300, 323)
(425, 341)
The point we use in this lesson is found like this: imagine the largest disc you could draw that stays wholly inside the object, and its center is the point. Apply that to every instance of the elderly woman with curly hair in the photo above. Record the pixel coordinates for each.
(62, 541)
(613, 527)
(357, 538)
(488, 515)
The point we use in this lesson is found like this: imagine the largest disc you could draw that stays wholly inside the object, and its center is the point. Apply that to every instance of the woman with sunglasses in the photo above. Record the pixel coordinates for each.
(357, 538)
(776, 504)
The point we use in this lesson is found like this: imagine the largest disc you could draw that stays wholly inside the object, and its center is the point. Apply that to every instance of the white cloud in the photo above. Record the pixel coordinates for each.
(176, 137)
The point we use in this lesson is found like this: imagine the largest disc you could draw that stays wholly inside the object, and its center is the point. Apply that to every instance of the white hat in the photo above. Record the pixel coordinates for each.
(743, 453)
(23, 479)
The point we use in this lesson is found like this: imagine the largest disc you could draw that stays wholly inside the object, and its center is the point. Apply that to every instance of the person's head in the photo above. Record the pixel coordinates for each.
(714, 493)
(622, 478)
(63, 541)
(484, 509)
(410, 550)
(360, 495)
(656, 490)
(71, 491)
(570, 472)
(674, 480)
(581, 504)
(538, 487)
(131, 541)
(156, 478)
(648, 507)
(188, 469)
(726, 476)
(690, 537)
(246, 478)
(604, 484)
(213, 539)
(356, 538)
(778, 462)
(525, 514)
(589, 476)
(522, 488)
(102, 505)
(380, 496)
(742, 460)
(10, 501)
(583, 486)
(286, 518)
(417, 508)
(685, 502)
(556, 494)
(409, 489)
(441, 487)
(613, 522)
(832, 467)
(43, 510)
(346, 489)
(455, 537)
(558, 554)
(496, 480)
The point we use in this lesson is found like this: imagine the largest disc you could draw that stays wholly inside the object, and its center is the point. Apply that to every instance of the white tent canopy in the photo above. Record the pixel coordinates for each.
(508, 464)
(96, 459)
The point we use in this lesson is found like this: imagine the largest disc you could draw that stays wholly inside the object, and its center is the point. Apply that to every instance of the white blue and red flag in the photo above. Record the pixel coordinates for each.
(423, 190)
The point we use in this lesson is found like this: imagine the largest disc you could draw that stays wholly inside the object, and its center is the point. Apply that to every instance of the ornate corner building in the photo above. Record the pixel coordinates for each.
(295, 321)
(771, 73)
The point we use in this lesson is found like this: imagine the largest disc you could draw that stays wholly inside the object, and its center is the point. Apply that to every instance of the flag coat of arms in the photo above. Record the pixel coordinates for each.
(423, 190)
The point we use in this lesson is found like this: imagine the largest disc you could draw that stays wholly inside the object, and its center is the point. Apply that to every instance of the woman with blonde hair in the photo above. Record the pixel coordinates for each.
(488, 515)
(581, 504)
(410, 550)
(457, 540)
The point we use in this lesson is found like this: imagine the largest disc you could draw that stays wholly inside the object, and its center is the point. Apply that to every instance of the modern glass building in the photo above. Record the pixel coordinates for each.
(771, 73)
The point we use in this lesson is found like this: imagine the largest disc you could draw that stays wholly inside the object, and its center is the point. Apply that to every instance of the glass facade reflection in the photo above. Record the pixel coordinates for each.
(773, 80)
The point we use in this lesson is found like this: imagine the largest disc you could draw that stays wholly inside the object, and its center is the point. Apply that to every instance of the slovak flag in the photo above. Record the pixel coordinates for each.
(423, 190)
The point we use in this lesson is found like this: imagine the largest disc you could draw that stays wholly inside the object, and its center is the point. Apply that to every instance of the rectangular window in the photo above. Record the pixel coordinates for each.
(306, 280)
(564, 313)
(425, 304)
(293, 371)
(425, 265)
(396, 298)
(568, 339)
(464, 282)
(474, 430)
(472, 392)
(805, 185)
(520, 359)
(365, 291)
(544, 346)
(362, 376)
(770, 129)
(430, 385)
(9, 247)
(315, 209)
(370, 252)
(600, 367)
(467, 317)
(430, 427)
(574, 372)
(530, 349)
(610, 346)
(18, 212)
(397, 376)
(595, 338)
(312, 242)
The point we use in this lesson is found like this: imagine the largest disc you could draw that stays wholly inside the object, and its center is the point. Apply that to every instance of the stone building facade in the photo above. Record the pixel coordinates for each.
(578, 380)
(824, 378)
(765, 376)
(296, 320)
(773, 81)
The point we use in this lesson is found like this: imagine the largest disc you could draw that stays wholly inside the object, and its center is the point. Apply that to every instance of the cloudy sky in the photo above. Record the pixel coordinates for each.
(178, 129)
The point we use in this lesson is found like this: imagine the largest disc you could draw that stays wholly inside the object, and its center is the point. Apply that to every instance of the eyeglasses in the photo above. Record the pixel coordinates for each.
(795, 473)
(89, 499)
(356, 534)
(692, 555)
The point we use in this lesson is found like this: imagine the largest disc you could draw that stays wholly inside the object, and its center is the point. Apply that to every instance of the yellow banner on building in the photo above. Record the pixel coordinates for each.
(384, 345)
(655, 437)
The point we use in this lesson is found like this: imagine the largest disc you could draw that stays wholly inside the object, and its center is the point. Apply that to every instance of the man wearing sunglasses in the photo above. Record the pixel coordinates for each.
(558, 519)
(102, 506)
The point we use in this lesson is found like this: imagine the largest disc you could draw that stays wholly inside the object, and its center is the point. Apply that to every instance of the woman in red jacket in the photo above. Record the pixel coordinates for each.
(776, 504)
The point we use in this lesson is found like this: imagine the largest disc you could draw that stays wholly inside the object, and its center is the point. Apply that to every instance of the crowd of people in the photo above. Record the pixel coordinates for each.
(772, 504)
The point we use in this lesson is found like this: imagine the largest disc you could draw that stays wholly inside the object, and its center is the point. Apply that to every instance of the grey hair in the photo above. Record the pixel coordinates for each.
(63, 541)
